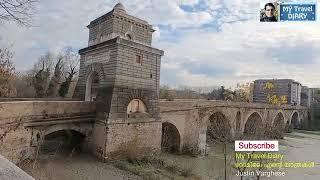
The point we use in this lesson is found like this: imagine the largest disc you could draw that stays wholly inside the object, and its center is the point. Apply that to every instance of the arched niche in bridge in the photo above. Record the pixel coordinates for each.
(295, 124)
(278, 127)
(92, 86)
(62, 141)
(136, 106)
(218, 129)
(170, 140)
(253, 127)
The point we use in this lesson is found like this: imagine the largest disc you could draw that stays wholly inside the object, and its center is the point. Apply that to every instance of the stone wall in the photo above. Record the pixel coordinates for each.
(17, 139)
(130, 140)
(120, 77)
(105, 66)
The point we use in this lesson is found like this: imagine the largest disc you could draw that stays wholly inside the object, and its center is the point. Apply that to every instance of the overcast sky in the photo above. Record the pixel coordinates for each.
(206, 42)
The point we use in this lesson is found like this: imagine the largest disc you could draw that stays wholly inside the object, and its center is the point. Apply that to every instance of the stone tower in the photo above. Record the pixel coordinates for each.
(120, 71)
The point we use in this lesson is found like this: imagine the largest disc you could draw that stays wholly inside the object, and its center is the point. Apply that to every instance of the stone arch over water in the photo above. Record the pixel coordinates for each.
(295, 122)
(253, 127)
(278, 126)
(218, 129)
(62, 141)
(170, 140)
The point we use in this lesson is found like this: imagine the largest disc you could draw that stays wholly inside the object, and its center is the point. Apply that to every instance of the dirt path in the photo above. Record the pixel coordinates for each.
(79, 167)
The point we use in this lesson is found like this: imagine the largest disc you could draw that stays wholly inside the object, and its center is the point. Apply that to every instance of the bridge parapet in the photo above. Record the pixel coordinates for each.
(43, 109)
(180, 105)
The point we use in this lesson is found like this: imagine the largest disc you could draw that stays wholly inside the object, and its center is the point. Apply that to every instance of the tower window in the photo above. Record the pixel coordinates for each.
(139, 59)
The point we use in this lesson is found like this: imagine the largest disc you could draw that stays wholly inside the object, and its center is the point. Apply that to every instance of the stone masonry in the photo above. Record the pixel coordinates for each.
(120, 53)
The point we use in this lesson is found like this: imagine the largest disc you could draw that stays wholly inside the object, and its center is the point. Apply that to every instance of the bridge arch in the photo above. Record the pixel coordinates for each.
(253, 126)
(171, 138)
(59, 127)
(295, 120)
(218, 128)
(62, 138)
(278, 126)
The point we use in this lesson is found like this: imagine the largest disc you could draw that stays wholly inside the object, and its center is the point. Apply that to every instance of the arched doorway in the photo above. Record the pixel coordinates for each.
(170, 140)
(136, 106)
(92, 87)
(278, 127)
(62, 142)
(238, 122)
(253, 126)
(218, 129)
(295, 124)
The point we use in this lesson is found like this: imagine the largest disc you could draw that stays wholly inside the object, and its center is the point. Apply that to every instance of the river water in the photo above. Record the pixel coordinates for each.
(299, 146)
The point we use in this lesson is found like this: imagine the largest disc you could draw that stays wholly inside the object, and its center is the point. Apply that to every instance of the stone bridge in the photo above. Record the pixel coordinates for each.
(183, 125)
(190, 121)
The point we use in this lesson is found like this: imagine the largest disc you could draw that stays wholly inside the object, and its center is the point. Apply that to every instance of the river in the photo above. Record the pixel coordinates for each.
(301, 146)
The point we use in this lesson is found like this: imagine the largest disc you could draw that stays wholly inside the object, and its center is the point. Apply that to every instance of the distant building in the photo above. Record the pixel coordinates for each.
(315, 95)
(277, 91)
(306, 96)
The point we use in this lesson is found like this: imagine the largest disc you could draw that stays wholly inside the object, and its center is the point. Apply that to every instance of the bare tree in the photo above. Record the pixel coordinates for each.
(23, 84)
(71, 68)
(167, 93)
(53, 75)
(42, 72)
(20, 11)
(56, 79)
(6, 73)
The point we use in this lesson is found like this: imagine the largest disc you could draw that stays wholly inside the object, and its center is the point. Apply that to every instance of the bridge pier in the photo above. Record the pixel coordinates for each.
(126, 140)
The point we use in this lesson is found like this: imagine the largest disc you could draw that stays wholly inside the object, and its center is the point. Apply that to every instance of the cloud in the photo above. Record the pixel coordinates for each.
(215, 42)
(299, 53)
(249, 51)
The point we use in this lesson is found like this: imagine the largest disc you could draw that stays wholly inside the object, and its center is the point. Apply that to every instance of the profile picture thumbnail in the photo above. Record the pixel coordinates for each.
(269, 12)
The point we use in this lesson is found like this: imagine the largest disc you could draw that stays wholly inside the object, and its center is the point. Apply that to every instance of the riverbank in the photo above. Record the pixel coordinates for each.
(78, 167)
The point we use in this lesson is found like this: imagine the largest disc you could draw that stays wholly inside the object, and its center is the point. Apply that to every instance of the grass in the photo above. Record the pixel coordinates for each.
(155, 168)
(135, 159)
